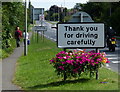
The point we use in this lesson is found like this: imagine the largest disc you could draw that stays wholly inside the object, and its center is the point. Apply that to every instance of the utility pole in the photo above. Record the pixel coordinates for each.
(110, 9)
(58, 14)
(64, 11)
(25, 44)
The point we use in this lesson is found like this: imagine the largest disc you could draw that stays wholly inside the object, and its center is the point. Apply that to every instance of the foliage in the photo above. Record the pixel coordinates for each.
(115, 20)
(55, 16)
(73, 64)
(67, 18)
(12, 16)
(107, 12)
(56, 13)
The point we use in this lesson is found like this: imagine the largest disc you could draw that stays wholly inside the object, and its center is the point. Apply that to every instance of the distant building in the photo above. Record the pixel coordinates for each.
(38, 13)
(31, 14)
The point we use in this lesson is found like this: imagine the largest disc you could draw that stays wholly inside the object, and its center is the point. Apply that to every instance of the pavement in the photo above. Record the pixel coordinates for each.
(8, 69)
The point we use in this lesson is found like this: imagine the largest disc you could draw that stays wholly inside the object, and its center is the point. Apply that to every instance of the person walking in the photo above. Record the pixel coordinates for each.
(27, 37)
(18, 35)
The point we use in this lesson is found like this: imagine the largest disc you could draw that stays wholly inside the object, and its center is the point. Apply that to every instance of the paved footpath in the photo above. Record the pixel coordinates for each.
(8, 68)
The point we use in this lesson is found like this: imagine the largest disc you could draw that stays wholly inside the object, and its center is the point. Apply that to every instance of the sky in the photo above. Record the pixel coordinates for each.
(48, 3)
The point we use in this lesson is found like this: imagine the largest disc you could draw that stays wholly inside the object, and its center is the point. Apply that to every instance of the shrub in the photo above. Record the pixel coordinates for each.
(73, 64)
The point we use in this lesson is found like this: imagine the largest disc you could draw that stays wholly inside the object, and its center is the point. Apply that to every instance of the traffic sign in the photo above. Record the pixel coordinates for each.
(40, 28)
(80, 35)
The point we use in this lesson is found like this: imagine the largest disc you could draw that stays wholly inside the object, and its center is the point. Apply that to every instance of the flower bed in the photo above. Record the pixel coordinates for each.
(73, 64)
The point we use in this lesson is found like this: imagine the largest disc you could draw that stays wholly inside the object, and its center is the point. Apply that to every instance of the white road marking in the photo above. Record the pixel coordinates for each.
(112, 58)
(115, 62)
(110, 55)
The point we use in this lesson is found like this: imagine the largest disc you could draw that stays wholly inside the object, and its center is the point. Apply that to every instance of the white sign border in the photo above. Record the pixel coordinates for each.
(64, 47)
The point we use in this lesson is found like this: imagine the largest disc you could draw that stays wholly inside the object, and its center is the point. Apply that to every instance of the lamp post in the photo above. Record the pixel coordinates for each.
(25, 44)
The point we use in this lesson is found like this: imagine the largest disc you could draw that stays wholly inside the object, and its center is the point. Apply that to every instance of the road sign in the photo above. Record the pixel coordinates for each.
(37, 12)
(81, 17)
(41, 28)
(80, 35)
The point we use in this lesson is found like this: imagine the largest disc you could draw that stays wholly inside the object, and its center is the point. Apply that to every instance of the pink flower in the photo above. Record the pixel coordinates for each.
(75, 50)
(92, 60)
(63, 62)
(78, 57)
(70, 62)
(71, 54)
(77, 60)
(66, 57)
(60, 57)
(81, 62)
(92, 64)
(88, 60)
(96, 62)
(61, 67)
(52, 60)
(99, 59)
(75, 70)
(108, 62)
(62, 52)
(67, 53)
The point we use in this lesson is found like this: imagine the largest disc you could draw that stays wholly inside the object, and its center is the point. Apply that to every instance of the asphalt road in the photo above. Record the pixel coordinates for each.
(112, 56)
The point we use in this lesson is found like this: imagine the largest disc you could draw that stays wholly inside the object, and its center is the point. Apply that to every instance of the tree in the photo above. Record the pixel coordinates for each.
(107, 12)
(12, 16)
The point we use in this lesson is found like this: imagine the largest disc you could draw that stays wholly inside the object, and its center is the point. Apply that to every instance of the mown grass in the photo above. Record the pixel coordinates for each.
(34, 72)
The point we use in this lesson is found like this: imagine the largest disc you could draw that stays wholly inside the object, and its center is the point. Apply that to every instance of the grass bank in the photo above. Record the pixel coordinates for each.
(34, 72)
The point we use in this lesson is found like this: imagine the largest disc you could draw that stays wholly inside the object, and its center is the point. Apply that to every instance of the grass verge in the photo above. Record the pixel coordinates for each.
(34, 72)
(55, 22)
(8, 51)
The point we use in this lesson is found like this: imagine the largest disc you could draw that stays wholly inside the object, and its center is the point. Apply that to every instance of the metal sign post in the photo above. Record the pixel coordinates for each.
(40, 29)
(97, 73)
(37, 37)
(25, 44)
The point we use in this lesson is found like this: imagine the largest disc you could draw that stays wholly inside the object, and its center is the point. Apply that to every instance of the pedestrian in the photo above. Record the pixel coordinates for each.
(18, 35)
(27, 38)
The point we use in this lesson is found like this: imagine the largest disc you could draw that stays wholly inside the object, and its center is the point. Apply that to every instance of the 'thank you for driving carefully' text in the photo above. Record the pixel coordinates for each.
(81, 33)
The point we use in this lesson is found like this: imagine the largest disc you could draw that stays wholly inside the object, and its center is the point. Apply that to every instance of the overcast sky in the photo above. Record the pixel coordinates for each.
(48, 3)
